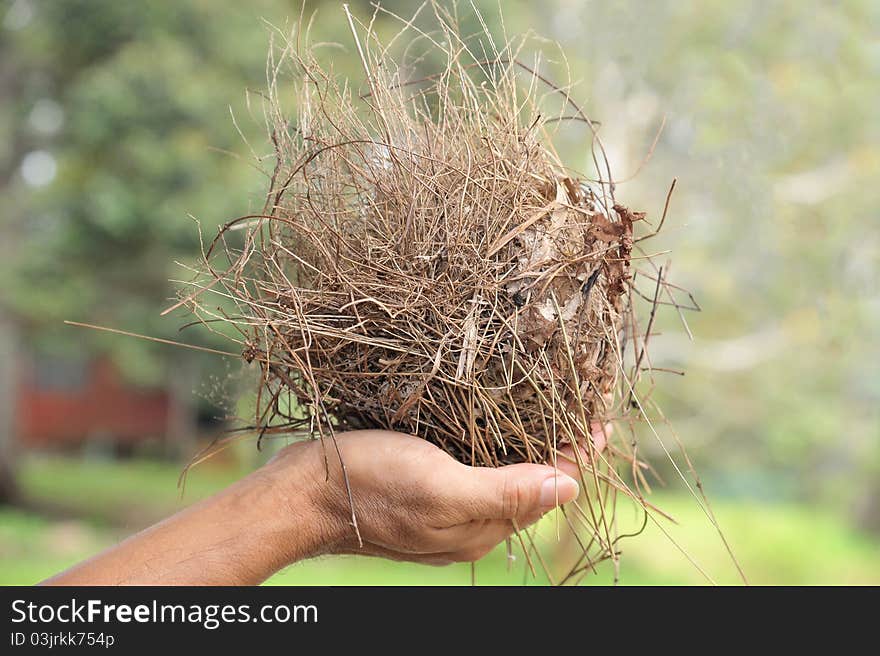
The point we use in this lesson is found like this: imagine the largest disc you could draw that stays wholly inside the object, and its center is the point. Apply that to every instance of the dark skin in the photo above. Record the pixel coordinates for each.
(413, 502)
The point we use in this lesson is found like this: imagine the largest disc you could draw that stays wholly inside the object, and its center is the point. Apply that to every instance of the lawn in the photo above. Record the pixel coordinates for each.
(94, 503)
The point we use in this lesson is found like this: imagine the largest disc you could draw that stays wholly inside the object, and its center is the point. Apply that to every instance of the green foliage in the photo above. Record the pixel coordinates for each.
(147, 93)
(770, 130)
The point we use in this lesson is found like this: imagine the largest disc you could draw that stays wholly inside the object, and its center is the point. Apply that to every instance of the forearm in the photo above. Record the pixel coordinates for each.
(240, 536)
(414, 502)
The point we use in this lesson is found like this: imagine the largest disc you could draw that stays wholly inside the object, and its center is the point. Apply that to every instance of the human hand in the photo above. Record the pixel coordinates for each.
(413, 501)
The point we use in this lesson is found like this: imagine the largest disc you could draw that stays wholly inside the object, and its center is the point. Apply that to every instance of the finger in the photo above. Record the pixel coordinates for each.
(439, 559)
(569, 462)
(601, 433)
(463, 543)
(483, 541)
(514, 491)
(484, 532)
(487, 538)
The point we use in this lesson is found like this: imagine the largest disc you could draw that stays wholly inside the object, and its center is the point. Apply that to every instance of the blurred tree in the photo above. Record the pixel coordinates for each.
(116, 118)
(771, 130)
(116, 123)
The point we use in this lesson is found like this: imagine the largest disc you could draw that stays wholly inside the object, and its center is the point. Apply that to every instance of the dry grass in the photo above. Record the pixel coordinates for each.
(425, 263)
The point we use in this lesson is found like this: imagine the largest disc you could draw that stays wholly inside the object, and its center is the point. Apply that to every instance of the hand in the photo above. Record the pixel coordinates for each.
(414, 502)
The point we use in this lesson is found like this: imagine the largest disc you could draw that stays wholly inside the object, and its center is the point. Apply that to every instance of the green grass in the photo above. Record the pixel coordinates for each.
(117, 491)
(777, 544)
(33, 547)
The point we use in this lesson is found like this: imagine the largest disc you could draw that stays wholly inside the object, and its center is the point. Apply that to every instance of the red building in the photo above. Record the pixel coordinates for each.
(62, 403)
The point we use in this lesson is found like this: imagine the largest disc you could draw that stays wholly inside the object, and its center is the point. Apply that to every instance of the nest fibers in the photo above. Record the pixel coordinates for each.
(425, 263)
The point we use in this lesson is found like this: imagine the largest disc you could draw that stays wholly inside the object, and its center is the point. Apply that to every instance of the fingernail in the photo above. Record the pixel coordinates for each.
(558, 489)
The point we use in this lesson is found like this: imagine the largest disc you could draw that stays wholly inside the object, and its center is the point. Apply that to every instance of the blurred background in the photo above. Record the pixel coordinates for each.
(121, 123)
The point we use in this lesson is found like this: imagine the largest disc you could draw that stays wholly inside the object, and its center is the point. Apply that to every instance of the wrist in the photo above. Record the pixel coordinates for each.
(305, 518)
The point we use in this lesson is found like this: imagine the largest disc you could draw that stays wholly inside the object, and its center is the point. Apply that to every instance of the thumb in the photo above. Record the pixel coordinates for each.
(517, 491)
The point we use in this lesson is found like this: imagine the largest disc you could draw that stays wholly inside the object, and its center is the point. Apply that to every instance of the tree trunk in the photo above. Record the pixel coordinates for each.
(8, 383)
